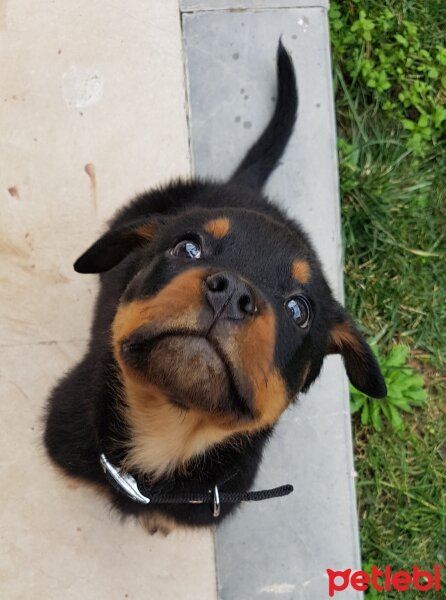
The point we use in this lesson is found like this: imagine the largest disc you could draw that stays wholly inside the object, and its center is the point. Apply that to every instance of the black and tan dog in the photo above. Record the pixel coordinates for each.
(213, 314)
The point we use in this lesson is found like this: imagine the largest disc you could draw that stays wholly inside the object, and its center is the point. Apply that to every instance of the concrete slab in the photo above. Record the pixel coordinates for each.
(59, 539)
(281, 548)
(196, 5)
(80, 86)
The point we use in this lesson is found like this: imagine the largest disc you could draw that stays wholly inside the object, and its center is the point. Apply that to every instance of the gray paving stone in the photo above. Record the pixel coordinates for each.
(195, 5)
(281, 548)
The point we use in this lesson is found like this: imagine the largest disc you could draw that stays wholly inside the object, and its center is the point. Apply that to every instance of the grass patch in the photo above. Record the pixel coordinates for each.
(401, 496)
(394, 217)
(393, 192)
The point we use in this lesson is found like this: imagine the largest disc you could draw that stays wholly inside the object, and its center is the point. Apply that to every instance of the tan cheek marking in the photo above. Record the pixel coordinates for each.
(301, 271)
(218, 228)
(176, 305)
(256, 344)
(271, 399)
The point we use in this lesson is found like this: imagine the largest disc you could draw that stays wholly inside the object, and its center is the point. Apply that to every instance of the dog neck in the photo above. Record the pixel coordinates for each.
(167, 450)
(163, 439)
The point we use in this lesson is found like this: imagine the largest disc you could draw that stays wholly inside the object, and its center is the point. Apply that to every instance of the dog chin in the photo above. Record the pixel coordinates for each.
(191, 372)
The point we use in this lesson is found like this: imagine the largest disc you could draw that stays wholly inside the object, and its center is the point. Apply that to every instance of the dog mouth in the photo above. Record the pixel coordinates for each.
(191, 369)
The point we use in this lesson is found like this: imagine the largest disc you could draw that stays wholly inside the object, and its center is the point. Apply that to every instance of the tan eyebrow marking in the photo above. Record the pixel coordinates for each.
(301, 270)
(218, 228)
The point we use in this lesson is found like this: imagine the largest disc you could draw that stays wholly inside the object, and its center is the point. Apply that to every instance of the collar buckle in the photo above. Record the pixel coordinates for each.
(216, 503)
(123, 482)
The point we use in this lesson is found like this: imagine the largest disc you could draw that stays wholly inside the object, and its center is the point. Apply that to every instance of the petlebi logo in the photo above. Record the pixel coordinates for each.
(384, 580)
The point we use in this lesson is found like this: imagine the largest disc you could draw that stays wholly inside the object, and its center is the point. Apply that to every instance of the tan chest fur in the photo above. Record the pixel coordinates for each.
(164, 437)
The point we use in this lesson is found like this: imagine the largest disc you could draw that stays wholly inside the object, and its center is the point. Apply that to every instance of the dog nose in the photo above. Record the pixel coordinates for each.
(229, 295)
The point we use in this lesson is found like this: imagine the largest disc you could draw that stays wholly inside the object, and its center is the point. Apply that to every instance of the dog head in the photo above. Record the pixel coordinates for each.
(226, 313)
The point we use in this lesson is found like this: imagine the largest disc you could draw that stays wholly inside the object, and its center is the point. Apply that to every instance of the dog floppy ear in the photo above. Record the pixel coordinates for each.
(360, 363)
(115, 245)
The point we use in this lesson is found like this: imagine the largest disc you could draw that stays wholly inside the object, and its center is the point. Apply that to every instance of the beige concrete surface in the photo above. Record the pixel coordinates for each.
(92, 111)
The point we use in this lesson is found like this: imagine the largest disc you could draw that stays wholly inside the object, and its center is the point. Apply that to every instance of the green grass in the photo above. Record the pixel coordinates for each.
(394, 220)
(401, 496)
(394, 227)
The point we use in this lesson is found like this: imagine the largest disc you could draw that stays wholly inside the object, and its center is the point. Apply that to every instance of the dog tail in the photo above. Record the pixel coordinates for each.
(263, 156)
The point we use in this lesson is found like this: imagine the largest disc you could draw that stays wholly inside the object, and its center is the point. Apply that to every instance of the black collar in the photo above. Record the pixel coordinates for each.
(127, 485)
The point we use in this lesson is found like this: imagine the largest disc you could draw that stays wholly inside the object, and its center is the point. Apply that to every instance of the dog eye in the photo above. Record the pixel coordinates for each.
(299, 310)
(187, 249)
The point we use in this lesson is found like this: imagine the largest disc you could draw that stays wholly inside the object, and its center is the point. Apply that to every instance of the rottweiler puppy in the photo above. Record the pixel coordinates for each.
(213, 315)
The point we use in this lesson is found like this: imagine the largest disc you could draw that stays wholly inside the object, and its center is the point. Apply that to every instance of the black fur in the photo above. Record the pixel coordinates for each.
(82, 417)
(261, 160)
